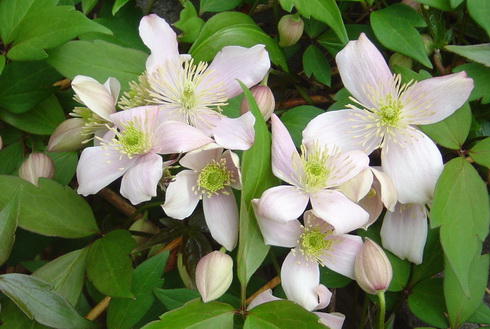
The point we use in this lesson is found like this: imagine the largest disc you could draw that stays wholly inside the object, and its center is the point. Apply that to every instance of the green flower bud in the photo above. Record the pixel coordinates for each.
(401, 60)
(290, 29)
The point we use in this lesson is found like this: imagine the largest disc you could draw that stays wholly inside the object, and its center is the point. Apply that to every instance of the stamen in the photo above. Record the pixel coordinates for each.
(214, 178)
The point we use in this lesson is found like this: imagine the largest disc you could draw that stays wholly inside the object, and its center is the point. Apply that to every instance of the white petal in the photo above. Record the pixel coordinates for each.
(200, 158)
(114, 87)
(264, 297)
(144, 118)
(180, 199)
(356, 188)
(373, 205)
(414, 165)
(345, 166)
(331, 320)
(221, 214)
(334, 208)
(235, 133)
(404, 232)
(94, 95)
(249, 65)
(178, 137)
(282, 203)
(284, 153)
(343, 252)
(233, 165)
(385, 187)
(140, 181)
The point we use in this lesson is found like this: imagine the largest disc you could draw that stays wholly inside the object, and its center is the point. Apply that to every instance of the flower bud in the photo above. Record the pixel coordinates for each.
(214, 274)
(265, 101)
(1, 142)
(372, 268)
(429, 45)
(401, 60)
(144, 226)
(290, 29)
(35, 166)
(67, 136)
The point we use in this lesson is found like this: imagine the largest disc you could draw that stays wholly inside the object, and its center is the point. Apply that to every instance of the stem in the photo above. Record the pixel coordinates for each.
(364, 311)
(382, 309)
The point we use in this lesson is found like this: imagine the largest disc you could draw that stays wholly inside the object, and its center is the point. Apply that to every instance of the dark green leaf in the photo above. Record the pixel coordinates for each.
(433, 260)
(479, 11)
(481, 78)
(439, 4)
(296, 120)
(2, 63)
(65, 165)
(12, 317)
(118, 4)
(333, 279)
(214, 6)
(10, 159)
(426, 301)
(314, 62)
(481, 152)
(174, 298)
(88, 5)
(455, 3)
(477, 53)
(9, 214)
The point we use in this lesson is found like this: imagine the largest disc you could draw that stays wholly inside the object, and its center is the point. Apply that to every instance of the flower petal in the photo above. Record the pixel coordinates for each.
(200, 158)
(385, 187)
(341, 258)
(414, 164)
(282, 203)
(404, 232)
(235, 133)
(356, 188)
(178, 137)
(331, 320)
(144, 118)
(232, 63)
(94, 95)
(140, 181)
(221, 214)
(233, 165)
(264, 297)
(345, 166)
(334, 208)
(180, 199)
(114, 87)
(283, 152)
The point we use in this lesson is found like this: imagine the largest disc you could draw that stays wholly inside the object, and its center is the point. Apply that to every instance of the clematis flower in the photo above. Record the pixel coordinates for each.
(313, 176)
(211, 176)
(384, 115)
(131, 150)
(194, 92)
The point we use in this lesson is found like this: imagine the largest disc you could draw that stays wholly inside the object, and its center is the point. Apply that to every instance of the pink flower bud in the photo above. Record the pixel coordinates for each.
(214, 274)
(290, 29)
(372, 268)
(265, 101)
(35, 166)
(67, 136)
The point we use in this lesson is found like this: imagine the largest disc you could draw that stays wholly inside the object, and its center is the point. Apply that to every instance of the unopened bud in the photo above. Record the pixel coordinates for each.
(144, 226)
(265, 101)
(372, 269)
(290, 29)
(429, 45)
(401, 60)
(67, 136)
(35, 166)
(214, 274)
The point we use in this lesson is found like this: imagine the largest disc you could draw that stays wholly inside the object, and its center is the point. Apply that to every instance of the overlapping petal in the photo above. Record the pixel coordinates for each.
(235, 133)
(95, 95)
(282, 203)
(221, 214)
(284, 153)
(178, 137)
(180, 199)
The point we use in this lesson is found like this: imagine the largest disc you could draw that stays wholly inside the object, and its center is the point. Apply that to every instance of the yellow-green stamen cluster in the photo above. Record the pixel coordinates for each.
(315, 168)
(138, 94)
(214, 177)
(315, 243)
(93, 122)
(132, 140)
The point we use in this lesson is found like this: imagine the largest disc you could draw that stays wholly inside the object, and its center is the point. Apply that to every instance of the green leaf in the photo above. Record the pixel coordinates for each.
(481, 79)
(314, 62)
(88, 5)
(25, 84)
(36, 299)
(481, 315)
(66, 274)
(12, 317)
(2, 63)
(296, 120)
(395, 27)
(481, 152)
(452, 131)
(40, 120)
(455, 3)
(196, 314)
(99, 60)
(10, 159)
(109, 265)
(281, 314)
(433, 260)
(49, 28)
(123, 313)
(439, 4)
(189, 23)
(174, 298)
(477, 53)
(461, 208)
(65, 165)
(426, 301)
(480, 10)
(237, 29)
(214, 6)
(333, 279)
(118, 4)
(325, 11)
(9, 214)
(459, 306)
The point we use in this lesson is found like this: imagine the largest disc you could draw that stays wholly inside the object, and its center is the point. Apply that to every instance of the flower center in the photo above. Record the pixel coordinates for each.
(389, 111)
(214, 178)
(314, 244)
(92, 121)
(188, 99)
(316, 168)
(138, 94)
(132, 140)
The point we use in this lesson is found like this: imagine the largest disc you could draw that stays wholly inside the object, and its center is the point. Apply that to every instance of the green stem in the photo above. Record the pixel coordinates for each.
(382, 309)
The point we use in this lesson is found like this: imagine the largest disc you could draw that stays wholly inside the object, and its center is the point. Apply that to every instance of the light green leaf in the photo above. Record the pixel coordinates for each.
(426, 301)
(174, 298)
(439, 4)
(452, 131)
(98, 59)
(109, 265)
(455, 3)
(477, 53)
(296, 120)
(66, 274)
(314, 62)
(395, 27)
(214, 6)
(189, 23)
(9, 214)
(481, 79)
(287, 5)
(237, 29)
(118, 4)
(480, 11)
(124, 313)
(481, 315)
(481, 152)
(49, 28)
(36, 299)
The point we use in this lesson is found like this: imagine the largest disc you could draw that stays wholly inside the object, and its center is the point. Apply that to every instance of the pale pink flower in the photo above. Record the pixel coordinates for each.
(384, 115)
(211, 176)
(132, 149)
(36, 165)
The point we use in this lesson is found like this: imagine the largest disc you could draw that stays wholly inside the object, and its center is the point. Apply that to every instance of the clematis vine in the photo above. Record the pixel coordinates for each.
(385, 114)
(195, 92)
(131, 149)
(211, 176)
(314, 175)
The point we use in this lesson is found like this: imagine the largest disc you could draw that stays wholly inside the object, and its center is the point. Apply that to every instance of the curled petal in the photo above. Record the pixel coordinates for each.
(114, 87)
(357, 187)
(221, 214)
(282, 203)
(235, 133)
(178, 137)
(263, 297)
(331, 320)
(94, 95)
(385, 187)
(180, 199)
(140, 181)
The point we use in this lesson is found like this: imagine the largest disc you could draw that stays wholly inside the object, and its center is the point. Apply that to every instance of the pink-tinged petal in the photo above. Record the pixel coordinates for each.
(432, 100)
(356, 188)
(343, 253)
(200, 158)
(404, 232)
(300, 280)
(363, 68)
(345, 166)
(372, 204)
(159, 37)
(114, 87)
(140, 181)
(221, 214)
(180, 199)
(414, 164)
(178, 137)
(99, 167)
(144, 118)
(235, 134)
(282, 203)
(263, 297)
(232, 63)
(331, 320)
(233, 165)
(284, 153)
(384, 186)
(348, 129)
(94, 95)
(281, 234)
(334, 208)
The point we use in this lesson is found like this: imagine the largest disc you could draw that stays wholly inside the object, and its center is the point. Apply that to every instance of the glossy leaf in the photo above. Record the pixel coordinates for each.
(174, 298)
(481, 78)
(477, 53)
(109, 265)
(36, 298)
(9, 214)
(479, 11)
(481, 152)
(314, 62)
(296, 120)
(426, 301)
(214, 6)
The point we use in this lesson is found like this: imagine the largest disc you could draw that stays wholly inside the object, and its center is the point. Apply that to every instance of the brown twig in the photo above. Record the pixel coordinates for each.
(98, 309)
(269, 285)
(119, 202)
(317, 99)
